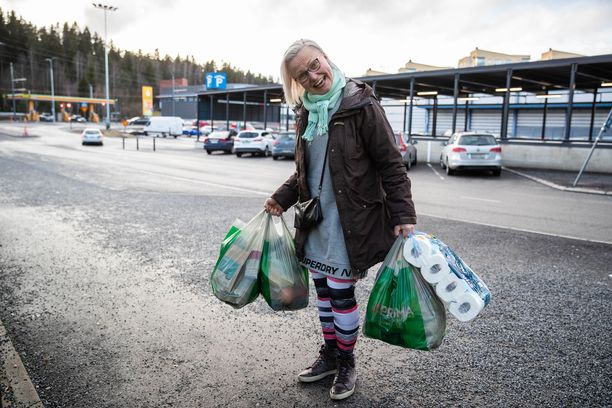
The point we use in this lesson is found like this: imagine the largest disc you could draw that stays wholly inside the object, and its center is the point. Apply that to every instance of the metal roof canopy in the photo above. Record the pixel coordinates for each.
(537, 77)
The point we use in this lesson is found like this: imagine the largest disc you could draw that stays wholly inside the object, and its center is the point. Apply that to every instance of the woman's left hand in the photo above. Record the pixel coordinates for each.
(405, 229)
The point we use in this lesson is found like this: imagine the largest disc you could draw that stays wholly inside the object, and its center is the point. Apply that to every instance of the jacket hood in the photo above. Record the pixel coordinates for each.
(356, 95)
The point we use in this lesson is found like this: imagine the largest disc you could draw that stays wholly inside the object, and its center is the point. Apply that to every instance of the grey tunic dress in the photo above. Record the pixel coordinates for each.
(325, 250)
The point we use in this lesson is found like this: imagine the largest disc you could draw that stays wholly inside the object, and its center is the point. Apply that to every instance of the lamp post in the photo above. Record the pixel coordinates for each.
(13, 80)
(13, 90)
(50, 60)
(173, 90)
(106, 8)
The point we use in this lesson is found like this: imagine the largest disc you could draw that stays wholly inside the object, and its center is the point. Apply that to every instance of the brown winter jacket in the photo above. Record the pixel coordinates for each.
(368, 176)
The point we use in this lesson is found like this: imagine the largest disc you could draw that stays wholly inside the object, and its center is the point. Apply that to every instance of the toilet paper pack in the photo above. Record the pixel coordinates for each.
(462, 291)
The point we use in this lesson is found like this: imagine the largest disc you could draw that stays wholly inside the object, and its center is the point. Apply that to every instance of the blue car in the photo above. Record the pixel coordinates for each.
(284, 145)
(219, 140)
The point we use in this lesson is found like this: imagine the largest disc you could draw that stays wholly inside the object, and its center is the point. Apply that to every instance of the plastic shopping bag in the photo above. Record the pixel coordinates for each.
(234, 279)
(283, 281)
(403, 309)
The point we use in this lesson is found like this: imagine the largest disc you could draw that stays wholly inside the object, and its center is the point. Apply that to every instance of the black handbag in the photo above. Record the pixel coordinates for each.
(308, 213)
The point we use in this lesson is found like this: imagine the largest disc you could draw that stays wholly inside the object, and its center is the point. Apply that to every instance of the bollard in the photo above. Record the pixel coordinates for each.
(137, 143)
(123, 137)
(153, 144)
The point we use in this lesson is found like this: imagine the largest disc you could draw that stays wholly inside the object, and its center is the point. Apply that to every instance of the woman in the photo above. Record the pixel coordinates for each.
(365, 197)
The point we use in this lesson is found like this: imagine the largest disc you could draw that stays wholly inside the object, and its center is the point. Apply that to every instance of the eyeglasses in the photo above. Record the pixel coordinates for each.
(312, 67)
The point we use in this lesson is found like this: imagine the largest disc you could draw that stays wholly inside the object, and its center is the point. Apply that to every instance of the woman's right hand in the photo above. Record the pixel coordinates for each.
(273, 207)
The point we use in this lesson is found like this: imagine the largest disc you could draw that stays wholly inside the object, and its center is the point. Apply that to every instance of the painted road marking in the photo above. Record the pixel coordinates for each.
(224, 186)
(480, 199)
(517, 229)
(435, 171)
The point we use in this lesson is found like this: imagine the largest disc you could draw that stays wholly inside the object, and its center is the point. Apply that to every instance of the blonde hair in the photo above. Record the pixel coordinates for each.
(293, 90)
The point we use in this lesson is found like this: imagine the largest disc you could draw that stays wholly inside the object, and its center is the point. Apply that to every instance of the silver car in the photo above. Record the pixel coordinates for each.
(92, 136)
(471, 150)
(405, 144)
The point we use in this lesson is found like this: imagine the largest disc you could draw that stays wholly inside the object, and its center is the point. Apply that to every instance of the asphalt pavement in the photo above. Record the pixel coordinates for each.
(105, 295)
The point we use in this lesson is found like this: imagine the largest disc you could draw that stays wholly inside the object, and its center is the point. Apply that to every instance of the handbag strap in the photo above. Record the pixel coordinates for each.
(324, 163)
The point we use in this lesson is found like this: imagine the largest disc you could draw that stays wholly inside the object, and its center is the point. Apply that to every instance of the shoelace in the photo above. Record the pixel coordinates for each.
(343, 373)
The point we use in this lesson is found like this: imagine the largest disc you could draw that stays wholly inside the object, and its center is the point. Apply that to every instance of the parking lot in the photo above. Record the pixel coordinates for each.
(106, 252)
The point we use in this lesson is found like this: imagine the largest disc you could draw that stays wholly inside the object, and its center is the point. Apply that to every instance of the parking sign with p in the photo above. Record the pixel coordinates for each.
(216, 80)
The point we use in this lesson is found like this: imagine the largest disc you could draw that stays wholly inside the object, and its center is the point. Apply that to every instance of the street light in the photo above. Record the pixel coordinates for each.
(50, 60)
(13, 80)
(106, 8)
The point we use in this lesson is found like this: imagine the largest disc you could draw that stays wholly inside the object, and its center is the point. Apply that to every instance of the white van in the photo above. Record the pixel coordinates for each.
(164, 126)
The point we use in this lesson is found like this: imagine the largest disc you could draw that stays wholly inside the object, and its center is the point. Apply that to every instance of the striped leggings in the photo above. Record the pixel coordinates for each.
(338, 311)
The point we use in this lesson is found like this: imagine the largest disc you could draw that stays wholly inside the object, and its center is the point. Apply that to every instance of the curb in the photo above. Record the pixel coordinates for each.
(16, 388)
(558, 186)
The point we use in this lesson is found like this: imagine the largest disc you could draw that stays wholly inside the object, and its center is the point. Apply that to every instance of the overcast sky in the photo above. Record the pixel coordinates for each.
(356, 34)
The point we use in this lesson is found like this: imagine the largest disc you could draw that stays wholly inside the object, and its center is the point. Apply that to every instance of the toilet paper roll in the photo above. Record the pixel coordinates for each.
(435, 268)
(412, 256)
(467, 306)
(424, 241)
(450, 288)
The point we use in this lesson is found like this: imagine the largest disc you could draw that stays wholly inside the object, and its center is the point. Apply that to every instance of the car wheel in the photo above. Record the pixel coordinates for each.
(83, 143)
(449, 171)
(274, 157)
(408, 163)
(208, 151)
(238, 154)
(497, 172)
(414, 162)
(441, 162)
(267, 152)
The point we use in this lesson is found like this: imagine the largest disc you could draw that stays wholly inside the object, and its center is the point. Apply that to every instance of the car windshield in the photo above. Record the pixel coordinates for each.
(91, 132)
(219, 134)
(286, 136)
(248, 135)
(477, 140)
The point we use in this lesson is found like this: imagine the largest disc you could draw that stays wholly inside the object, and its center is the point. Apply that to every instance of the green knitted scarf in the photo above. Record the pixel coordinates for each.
(318, 107)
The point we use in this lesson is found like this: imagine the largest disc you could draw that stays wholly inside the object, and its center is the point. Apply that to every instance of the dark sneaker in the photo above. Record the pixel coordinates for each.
(344, 382)
(323, 366)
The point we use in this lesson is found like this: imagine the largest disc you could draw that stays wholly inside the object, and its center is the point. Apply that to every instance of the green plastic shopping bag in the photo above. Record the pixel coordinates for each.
(283, 281)
(234, 279)
(403, 309)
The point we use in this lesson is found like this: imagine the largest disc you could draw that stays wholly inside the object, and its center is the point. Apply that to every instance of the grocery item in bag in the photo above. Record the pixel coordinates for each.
(234, 279)
(283, 281)
(403, 309)
(460, 289)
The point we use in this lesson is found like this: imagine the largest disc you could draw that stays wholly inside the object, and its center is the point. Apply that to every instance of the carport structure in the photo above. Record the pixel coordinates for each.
(258, 103)
(586, 74)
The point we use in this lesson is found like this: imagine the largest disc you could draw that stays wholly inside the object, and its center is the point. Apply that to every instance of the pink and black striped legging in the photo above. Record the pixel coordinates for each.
(338, 311)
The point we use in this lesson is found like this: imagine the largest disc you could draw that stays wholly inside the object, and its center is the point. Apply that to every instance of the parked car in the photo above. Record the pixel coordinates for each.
(219, 140)
(92, 136)
(405, 143)
(471, 150)
(138, 121)
(255, 142)
(78, 118)
(164, 126)
(284, 145)
(46, 117)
